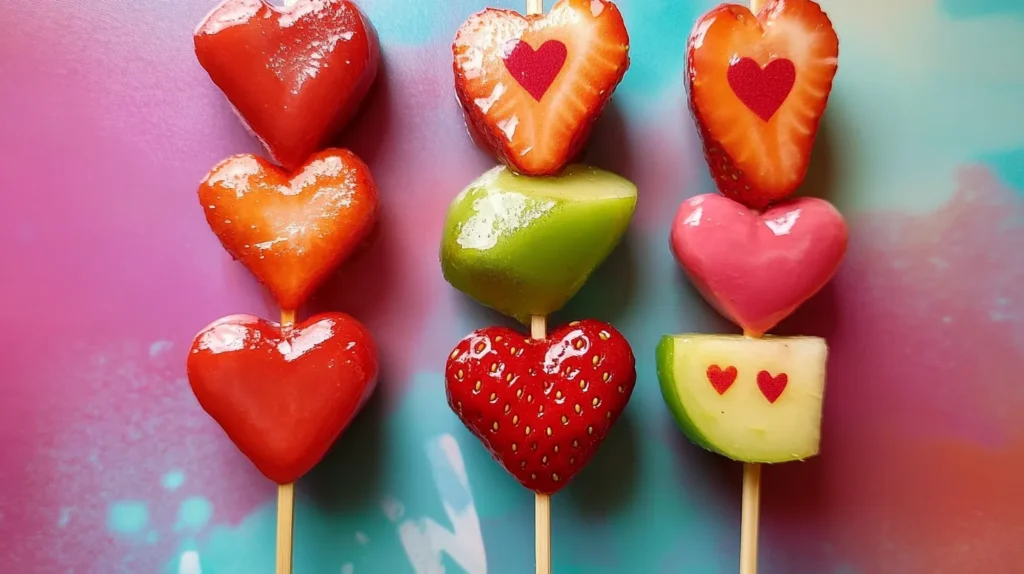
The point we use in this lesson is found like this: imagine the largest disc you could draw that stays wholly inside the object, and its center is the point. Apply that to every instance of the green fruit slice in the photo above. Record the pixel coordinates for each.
(525, 245)
(721, 388)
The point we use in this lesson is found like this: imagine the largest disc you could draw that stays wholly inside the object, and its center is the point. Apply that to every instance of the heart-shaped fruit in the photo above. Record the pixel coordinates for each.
(758, 87)
(525, 245)
(283, 395)
(533, 86)
(295, 74)
(755, 268)
(541, 407)
(290, 231)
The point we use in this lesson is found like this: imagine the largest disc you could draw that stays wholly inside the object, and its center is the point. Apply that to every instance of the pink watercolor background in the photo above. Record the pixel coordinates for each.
(108, 270)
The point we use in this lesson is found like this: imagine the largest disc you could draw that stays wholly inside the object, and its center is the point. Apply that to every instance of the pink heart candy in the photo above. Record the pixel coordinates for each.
(757, 268)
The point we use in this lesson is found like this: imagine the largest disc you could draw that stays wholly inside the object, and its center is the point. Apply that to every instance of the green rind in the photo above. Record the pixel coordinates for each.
(666, 361)
(538, 268)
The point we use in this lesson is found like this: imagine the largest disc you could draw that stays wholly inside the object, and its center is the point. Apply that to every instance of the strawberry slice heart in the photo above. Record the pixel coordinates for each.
(533, 86)
(758, 87)
(757, 268)
(295, 74)
(541, 407)
(290, 231)
(283, 396)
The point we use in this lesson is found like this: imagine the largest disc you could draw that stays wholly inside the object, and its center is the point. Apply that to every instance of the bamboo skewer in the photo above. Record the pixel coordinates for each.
(285, 498)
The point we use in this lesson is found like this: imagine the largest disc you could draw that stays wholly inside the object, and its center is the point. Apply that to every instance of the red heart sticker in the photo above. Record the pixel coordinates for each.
(763, 90)
(541, 407)
(290, 230)
(283, 396)
(296, 74)
(721, 380)
(536, 70)
(772, 387)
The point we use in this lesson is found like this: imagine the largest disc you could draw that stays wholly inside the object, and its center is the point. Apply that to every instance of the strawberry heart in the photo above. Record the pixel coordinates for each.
(763, 90)
(536, 70)
(290, 231)
(541, 407)
(283, 395)
(758, 86)
(295, 74)
(534, 109)
(771, 387)
(755, 268)
(721, 380)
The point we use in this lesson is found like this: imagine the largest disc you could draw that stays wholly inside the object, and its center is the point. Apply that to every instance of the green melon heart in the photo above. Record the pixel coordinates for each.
(525, 245)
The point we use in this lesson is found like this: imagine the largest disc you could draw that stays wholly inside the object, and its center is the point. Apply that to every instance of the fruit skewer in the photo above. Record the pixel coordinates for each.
(523, 239)
(758, 81)
(283, 393)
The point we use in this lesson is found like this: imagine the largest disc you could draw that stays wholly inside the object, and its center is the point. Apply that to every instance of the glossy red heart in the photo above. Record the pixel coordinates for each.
(290, 231)
(541, 408)
(296, 74)
(283, 395)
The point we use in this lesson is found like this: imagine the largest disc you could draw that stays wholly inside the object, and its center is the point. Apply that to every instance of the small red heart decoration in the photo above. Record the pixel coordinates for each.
(283, 396)
(296, 74)
(536, 70)
(763, 90)
(541, 407)
(720, 379)
(290, 231)
(772, 387)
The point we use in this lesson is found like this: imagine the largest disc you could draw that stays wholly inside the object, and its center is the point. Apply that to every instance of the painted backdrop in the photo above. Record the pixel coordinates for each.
(108, 465)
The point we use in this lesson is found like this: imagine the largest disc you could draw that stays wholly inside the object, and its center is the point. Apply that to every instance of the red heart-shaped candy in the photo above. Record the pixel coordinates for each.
(541, 407)
(295, 74)
(290, 231)
(283, 395)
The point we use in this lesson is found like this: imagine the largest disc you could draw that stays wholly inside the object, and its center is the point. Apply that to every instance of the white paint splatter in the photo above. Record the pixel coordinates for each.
(189, 563)
(426, 541)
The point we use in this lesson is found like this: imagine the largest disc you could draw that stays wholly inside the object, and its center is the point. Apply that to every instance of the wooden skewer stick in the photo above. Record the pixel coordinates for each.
(751, 512)
(285, 500)
(750, 517)
(538, 330)
(756, 5)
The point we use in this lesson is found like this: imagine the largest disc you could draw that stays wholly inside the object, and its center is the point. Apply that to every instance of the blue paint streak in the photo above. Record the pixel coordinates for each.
(980, 8)
(194, 513)
(173, 480)
(657, 56)
(127, 517)
(1008, 166)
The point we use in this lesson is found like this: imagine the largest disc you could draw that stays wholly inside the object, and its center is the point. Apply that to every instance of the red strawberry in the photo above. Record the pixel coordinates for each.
(290, 232)
(541, 407)
(295, 74)
(283, 396)
(758, 87)
(533, 86)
